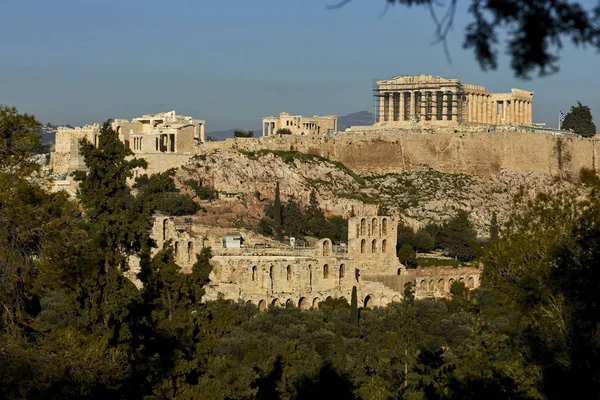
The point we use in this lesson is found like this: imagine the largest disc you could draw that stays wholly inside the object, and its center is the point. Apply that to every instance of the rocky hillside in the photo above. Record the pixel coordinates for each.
(246, 180)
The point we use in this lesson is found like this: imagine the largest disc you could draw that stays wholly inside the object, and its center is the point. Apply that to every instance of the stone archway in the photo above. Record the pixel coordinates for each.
(289, 303)
(471, 283)
(315, 303)
(368, 303)
(262, 305)
(384, 301)
(275, 302)
(303, 304)
(395, 299)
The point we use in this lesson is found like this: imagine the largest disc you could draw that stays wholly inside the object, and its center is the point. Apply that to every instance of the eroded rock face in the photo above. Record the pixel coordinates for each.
(420, 197)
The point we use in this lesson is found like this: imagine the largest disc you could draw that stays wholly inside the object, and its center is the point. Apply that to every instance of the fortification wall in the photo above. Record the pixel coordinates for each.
(469, 151)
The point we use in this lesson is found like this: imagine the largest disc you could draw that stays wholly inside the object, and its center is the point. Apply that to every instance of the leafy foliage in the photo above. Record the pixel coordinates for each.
(579, 120)
(284, 131)
(243, 134)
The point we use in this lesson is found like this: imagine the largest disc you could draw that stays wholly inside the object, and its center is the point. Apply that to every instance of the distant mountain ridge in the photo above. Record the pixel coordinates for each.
(359, 118)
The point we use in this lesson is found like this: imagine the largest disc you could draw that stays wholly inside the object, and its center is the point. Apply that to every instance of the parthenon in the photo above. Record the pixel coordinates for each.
(429, 100)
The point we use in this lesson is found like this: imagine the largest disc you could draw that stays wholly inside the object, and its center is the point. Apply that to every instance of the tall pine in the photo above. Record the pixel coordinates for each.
(354, 307)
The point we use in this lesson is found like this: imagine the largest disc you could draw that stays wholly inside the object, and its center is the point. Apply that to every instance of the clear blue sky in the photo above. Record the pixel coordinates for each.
(232, 62)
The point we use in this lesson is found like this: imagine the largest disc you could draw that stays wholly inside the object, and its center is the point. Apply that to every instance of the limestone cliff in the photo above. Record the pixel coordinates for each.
(246, 179)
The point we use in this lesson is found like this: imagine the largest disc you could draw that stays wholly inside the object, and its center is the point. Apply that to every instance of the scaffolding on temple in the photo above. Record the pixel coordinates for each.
(426, 105)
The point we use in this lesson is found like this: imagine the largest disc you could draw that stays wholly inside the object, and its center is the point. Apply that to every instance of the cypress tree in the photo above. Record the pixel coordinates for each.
(277, 211)
(354, 307)
(494, 227)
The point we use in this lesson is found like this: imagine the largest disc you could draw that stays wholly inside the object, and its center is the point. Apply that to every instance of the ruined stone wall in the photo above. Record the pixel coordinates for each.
(281, 275)
(469, 151)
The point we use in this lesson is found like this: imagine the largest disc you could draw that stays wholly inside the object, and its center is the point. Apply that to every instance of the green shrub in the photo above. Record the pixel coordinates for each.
(588, 177)
(177, 204)
(407, 256)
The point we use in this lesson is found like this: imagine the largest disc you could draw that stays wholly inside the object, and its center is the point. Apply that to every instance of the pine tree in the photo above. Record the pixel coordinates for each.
(494, 227)
(458, 237)
(354, 307)
(579, 119)
(277, 212)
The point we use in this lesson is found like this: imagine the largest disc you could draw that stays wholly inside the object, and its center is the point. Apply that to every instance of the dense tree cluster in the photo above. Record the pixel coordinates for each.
(292, 219)
(72, 326)
(456, 238)
(579, 120)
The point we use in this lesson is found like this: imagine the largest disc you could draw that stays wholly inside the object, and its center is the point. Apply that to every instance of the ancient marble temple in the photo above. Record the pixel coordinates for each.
(429, 100)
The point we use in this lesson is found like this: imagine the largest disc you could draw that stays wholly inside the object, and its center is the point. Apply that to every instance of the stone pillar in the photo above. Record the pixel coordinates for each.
(489, 111)
(401, 107)
(513, 111)
(469, 107)
(454, 106)
(433, 106)
(263, 128)
(411, 111)
(444, 107)
(529, 113)
(423, 105)
(202, 133)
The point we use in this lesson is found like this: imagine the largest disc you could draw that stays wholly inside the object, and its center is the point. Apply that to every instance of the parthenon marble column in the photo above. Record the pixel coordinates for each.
(401, 107)
(411, 111)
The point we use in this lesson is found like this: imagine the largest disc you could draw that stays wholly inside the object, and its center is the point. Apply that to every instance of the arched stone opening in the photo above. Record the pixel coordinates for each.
(368, 303)
(384, 226)
(275, 302)
(342, 274)
(471, 283)
(399, 271)
(431, 285)
(328, 298)
(315, 303)
(395, 299)
(271, 269)
(363, 227)
(363, 245)
(375, 227)
(310, 277)
(384, 301)
(441, 285)
(176, 251)
(165, 224)
(262, 305)
(325, 271)
(450, 282)
(288, 273)
(384, 246)
(461, 279)
(423, 285)
(374, 246)
(303, 304)
(254, 272)
(289, 303)
(190, 251)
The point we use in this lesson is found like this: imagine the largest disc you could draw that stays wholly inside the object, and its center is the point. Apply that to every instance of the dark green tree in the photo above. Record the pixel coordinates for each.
(243, 134)
(277, 212)
(458, 238)
(107, 199)
(354, 307)
(314, 219)
(423, 241)
(292, 218)
(408, 256)
(19, 139)
(494, 227)
(579, 120)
